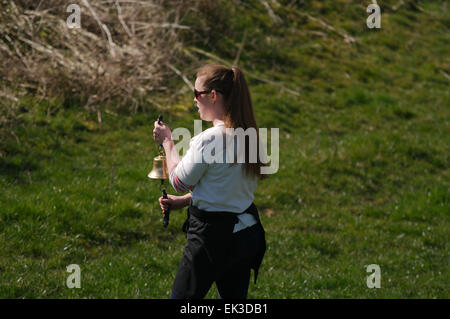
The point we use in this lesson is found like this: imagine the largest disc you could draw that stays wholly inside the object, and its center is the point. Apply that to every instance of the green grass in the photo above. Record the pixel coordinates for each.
(363, 175)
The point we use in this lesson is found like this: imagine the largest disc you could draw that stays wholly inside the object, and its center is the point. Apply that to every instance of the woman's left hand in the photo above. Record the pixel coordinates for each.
(161, 132)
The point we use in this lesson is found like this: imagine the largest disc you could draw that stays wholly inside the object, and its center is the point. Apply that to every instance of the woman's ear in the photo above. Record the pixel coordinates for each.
(214, 97)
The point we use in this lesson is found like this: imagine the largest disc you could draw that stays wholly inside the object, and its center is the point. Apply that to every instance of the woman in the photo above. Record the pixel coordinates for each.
(225, 238)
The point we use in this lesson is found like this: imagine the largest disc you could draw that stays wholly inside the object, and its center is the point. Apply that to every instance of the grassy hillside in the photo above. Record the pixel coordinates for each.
(363, 177)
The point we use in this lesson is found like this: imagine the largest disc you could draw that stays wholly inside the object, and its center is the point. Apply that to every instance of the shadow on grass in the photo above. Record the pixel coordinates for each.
(14, 167)
(118, 239)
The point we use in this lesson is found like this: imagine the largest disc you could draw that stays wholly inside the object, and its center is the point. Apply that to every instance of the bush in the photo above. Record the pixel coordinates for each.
(122, 50)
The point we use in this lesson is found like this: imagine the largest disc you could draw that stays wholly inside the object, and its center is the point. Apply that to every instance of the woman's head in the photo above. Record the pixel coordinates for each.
(210, 101)
(223, 92)
(228, 89)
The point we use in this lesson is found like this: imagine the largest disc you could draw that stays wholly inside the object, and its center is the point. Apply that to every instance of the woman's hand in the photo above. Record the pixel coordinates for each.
(174, 202)
(161, 133)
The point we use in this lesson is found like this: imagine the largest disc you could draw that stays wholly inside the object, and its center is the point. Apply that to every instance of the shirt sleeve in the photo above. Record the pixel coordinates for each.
(190, 169)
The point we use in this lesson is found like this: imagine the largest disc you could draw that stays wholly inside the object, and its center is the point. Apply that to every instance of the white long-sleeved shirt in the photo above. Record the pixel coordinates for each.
(215, 186)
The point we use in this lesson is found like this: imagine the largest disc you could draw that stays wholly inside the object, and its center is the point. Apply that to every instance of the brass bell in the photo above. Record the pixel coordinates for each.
(159, 170)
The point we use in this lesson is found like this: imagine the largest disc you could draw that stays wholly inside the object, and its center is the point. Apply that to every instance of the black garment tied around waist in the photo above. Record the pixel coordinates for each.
(214, 231)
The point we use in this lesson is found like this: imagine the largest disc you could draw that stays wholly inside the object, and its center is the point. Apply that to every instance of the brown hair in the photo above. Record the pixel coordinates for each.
(238, 104)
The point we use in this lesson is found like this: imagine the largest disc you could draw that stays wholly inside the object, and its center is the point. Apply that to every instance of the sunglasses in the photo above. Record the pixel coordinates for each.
(198, 93)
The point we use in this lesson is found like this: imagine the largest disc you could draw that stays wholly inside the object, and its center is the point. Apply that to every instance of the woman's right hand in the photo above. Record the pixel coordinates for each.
(173, 202)
(161, 133)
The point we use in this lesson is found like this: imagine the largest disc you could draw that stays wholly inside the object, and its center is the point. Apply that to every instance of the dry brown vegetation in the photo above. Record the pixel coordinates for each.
(123, 49)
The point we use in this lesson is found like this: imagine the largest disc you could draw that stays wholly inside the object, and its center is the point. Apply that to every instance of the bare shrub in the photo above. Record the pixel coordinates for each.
(123, 49)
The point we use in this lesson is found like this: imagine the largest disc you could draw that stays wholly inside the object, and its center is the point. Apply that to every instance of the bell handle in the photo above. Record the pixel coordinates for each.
(160, 117)
(166, 212)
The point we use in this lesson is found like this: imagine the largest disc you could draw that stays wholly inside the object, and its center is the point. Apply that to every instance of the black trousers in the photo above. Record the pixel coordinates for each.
(214, 253)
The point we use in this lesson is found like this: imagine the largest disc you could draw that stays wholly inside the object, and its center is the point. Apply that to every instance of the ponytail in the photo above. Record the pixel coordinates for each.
(238, 105)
